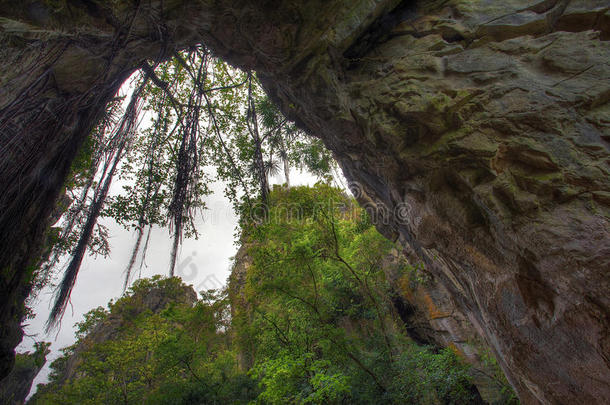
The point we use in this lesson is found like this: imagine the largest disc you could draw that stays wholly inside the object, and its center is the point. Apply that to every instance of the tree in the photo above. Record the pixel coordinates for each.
(169, 353)
(307, 315)
(201, 114)
(316, 321)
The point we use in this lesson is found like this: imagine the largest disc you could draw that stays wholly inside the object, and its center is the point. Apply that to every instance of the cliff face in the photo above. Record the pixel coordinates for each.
(16, 386)
(239, 304)
(488, 128)
(430, 317)
(154, 301)
(477, 130)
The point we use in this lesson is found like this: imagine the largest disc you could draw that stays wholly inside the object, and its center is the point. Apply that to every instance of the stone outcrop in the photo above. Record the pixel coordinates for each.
(478, 130)
(430, 317)
(240, 309)
(15, 388)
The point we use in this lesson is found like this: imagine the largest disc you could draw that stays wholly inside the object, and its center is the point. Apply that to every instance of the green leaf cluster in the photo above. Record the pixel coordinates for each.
(129, 354)
(313, 319)
(306, 319)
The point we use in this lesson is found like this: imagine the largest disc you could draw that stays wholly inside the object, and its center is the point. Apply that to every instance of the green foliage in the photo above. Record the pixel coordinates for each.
(416, 273)
(32, 360)
(310, 324)
(316, 324)
(14, 387)
(203, 121)
(506, 391)
(92, 319)
(424, 376)
(176, 355)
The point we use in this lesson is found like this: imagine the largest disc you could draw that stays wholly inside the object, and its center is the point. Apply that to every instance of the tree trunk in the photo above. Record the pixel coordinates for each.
(285, 162)
(286, 171)
(477, 130)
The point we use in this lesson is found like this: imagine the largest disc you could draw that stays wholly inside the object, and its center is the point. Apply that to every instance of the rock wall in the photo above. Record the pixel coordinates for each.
(487, 124)
(477, 129)
(16, 386)
(240, 309)
(430, 317)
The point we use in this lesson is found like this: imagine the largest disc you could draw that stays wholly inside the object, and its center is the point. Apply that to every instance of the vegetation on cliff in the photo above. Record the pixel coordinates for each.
(488, 119)
(203, 122)
(305, 319)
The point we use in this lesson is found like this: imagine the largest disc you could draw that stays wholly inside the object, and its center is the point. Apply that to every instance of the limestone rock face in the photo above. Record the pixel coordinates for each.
(430, 317)
(16, 386)
(239, 305)
(483, 131)
(477, 130)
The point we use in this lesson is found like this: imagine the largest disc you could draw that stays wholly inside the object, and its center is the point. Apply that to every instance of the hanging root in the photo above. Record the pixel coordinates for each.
(152, 189)
(121, 137)
(188, 164)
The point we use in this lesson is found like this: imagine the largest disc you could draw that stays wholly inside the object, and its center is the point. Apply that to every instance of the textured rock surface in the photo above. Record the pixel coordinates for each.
(430, 317)
(496, 146)
(484, 124)
(16, 386)
(239, 305)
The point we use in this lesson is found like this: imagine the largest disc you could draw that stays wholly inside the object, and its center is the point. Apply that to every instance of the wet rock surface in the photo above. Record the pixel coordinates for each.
(478, 129)
(492, 137)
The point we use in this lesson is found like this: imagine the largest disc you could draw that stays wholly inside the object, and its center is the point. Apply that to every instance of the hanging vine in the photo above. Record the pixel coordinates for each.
(201, 119)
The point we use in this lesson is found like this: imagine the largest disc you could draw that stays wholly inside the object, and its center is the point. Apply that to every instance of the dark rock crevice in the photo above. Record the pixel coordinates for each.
(380, 30)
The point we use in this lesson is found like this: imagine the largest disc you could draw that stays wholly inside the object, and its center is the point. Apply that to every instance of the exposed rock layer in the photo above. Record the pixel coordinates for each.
(481, 127)
(430, 317)
(15, 388)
